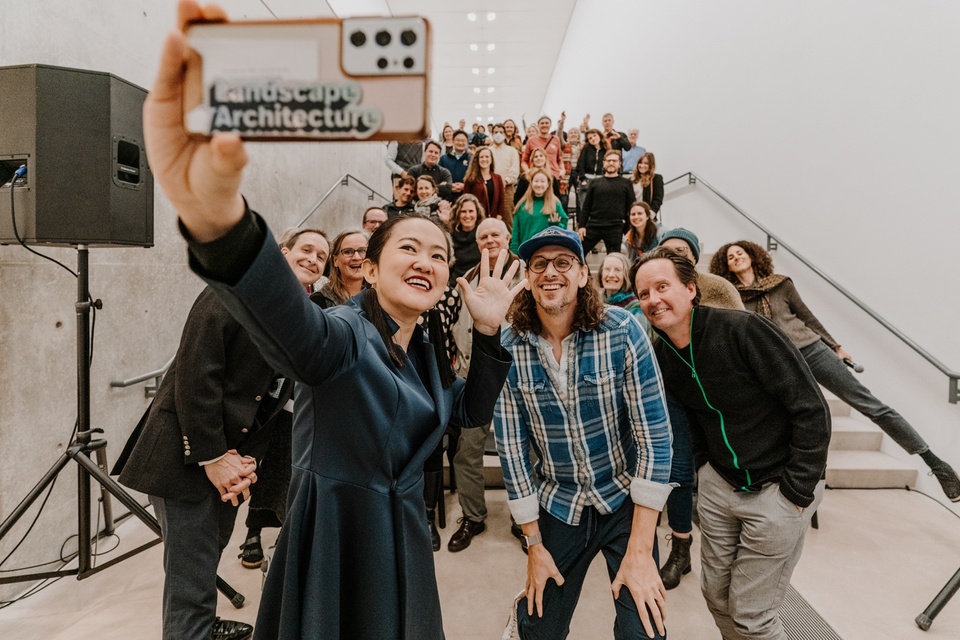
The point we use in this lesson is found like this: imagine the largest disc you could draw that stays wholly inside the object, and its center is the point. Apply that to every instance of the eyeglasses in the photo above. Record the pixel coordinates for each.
(350, 252)
(561, 263)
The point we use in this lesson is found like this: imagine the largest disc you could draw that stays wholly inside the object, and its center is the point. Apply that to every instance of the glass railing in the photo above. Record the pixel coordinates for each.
(775, 242)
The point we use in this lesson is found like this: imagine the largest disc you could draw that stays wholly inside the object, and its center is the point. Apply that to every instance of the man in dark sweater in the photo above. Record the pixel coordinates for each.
(760, 430)
(606, 207)
(431, 167)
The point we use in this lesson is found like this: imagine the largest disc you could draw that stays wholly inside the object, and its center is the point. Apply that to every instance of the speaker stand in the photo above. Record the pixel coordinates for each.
(79, 451)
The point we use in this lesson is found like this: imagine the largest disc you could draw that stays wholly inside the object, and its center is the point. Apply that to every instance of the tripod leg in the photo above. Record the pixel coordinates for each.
(110, 485)
(38, 488)
(925, 619)
(104, 494)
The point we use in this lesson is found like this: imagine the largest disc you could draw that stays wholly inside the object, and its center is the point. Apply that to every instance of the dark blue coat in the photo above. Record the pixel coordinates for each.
(354, 558)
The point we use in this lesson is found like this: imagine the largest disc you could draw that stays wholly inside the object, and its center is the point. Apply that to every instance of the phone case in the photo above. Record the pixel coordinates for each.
(325, 79)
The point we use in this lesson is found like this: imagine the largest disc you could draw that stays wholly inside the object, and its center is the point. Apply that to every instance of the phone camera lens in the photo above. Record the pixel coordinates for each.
(383, 38)
(382, 63)
(408, 37)
(408, 63)
(358, 38)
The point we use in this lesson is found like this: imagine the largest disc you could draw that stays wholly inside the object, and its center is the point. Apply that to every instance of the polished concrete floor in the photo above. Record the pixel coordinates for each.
(877, 560)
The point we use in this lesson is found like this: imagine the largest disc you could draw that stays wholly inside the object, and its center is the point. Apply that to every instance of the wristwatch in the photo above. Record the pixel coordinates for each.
(532, 540)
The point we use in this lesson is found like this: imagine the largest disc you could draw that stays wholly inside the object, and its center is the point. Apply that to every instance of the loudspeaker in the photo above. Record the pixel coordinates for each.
(80, 135)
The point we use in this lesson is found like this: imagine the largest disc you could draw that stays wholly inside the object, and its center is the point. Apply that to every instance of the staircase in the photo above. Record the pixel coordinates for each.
(855, 460)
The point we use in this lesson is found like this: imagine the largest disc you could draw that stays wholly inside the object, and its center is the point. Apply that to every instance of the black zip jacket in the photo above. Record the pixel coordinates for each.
(756, 412)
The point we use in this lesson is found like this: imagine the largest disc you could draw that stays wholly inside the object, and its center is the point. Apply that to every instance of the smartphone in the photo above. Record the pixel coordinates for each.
(324, 79)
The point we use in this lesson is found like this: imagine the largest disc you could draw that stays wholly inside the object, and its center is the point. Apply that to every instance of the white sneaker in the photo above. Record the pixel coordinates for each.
(511, 632)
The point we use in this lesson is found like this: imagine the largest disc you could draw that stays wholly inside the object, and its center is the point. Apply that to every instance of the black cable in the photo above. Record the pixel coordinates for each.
(30, 592)
(16, 234)
(30, 528)
(906, 488)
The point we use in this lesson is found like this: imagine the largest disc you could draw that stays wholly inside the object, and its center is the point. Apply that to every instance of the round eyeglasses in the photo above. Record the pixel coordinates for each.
(561, 263)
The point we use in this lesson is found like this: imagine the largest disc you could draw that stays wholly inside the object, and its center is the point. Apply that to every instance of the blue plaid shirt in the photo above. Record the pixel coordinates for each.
(600, 434)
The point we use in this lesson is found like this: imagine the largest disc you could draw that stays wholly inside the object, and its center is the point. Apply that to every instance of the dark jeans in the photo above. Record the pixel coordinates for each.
(680, 502)
(612, 239)
(573, 549)
(830, 371)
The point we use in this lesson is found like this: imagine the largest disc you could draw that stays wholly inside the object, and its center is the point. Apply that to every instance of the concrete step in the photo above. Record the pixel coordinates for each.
(852, 434)
(867, 470)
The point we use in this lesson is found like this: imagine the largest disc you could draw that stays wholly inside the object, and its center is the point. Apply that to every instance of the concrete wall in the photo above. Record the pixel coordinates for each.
(834, 124)
(146, 293)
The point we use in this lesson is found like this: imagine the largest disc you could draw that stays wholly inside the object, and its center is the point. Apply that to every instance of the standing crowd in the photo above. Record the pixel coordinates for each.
(466, 304)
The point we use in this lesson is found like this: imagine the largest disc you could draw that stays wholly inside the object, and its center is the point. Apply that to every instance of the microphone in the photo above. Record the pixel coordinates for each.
(858, 368)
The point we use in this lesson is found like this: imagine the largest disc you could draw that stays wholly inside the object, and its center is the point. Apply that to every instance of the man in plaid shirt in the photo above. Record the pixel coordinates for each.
(585, 396)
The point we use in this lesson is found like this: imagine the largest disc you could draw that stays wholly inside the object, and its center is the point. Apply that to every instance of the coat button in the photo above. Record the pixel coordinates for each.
(244, 430)
(259, 398)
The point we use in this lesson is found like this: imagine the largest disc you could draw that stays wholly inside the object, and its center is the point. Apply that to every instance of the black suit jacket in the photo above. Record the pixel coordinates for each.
(218, 394)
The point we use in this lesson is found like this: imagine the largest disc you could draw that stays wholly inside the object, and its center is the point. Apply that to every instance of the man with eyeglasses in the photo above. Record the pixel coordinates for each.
(585, 395)
(605, 213)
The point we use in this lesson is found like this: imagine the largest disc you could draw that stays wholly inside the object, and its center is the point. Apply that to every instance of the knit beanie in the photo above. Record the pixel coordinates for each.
(687, 236)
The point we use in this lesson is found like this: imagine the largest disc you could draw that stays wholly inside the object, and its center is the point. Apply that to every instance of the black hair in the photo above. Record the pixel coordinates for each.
(370, 304)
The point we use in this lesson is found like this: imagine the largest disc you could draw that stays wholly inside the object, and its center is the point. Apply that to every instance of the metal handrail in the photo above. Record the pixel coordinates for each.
(342, 182)
(149, 391)
(774, 241)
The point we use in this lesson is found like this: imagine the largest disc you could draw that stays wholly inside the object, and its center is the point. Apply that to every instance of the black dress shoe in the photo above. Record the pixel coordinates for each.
(231, 630)
(461, 539)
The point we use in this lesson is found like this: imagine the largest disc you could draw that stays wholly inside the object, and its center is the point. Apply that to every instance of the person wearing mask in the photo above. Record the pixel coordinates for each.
(456, 162)
(507, 161)
(750, 268)
(431, 167)
(606, 207)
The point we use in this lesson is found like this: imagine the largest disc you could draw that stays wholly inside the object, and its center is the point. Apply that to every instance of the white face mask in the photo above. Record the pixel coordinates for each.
(499, 138)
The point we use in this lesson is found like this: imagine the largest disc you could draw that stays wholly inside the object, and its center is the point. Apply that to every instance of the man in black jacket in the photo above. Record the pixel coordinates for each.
(760, 430)
(196, 451)
(606, 207)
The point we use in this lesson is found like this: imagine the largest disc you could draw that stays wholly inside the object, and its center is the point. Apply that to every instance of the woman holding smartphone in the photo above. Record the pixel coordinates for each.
(374, 395)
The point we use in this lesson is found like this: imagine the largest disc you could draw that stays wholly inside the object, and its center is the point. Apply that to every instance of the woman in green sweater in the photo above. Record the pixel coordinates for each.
(538, 209)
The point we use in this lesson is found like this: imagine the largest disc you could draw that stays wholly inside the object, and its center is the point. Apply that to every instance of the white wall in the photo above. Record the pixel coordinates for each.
(834, 123)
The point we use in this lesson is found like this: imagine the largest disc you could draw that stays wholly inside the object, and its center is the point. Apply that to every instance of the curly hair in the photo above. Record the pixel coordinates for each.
(591, 310)
(762, 262)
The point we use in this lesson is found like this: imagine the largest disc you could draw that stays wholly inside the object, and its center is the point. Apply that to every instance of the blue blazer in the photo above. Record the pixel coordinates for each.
(354, 558)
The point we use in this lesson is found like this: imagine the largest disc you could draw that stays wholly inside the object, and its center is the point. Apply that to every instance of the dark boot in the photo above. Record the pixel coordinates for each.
(947, 478)
(431, 494)
(678, 564)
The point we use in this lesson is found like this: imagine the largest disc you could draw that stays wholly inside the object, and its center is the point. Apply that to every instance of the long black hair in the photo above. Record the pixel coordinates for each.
(370, 304)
